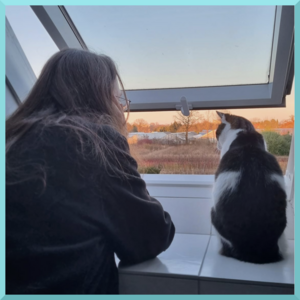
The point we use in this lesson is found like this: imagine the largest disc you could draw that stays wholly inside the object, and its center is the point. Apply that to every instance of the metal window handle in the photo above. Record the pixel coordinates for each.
(184, 106)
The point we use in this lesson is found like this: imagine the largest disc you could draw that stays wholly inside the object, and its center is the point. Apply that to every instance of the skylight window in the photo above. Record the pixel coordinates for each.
(213, 57)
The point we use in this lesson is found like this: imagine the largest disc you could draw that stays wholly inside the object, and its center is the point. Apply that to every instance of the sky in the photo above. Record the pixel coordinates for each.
(170, 47)
(181, 46)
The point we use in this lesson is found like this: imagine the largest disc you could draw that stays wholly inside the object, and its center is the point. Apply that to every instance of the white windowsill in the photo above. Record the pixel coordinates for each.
(192, 265)
(187, 179)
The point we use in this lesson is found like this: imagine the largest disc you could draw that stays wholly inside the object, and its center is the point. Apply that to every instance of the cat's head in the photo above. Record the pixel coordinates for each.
(231, 124)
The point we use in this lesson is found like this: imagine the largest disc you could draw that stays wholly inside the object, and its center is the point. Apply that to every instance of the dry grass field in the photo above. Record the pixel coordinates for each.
(200, 157)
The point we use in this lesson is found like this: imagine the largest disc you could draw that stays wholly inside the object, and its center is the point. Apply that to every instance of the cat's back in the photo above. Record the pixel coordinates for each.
(247, 155)
(250, 178)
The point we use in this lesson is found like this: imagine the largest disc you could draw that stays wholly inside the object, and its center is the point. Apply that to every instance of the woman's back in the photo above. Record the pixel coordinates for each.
(63, 228)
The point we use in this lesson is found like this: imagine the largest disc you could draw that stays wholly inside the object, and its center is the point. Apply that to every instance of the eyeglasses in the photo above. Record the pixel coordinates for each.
(123, 102)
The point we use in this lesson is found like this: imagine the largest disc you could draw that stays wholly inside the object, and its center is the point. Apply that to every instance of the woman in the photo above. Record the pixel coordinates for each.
(74, 196)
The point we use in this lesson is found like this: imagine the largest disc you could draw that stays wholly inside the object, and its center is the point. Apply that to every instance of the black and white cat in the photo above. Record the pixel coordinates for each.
(249, 196)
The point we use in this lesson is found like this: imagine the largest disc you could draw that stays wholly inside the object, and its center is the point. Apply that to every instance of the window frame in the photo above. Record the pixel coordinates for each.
(19, 76)
(65, 34)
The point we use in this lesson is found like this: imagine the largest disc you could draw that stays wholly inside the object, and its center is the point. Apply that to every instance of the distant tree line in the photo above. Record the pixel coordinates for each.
(198, 122)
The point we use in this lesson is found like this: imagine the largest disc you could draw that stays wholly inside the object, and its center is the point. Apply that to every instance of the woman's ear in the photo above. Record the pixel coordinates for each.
(220, 114)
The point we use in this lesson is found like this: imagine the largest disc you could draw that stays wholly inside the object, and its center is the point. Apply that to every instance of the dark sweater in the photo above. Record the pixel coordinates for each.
(62, 239)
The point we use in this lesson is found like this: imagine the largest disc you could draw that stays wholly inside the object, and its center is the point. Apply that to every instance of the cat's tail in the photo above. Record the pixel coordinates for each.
(259, 256)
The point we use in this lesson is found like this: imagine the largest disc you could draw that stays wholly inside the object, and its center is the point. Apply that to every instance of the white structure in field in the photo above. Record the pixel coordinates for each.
(207, 134)
(165, 137)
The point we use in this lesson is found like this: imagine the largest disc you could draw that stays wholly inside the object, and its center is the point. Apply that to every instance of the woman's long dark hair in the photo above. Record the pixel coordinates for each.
(74, 91)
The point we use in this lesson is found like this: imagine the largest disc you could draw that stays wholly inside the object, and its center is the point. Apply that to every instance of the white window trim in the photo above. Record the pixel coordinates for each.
(64, 33)
(168, 181)
(290, 175)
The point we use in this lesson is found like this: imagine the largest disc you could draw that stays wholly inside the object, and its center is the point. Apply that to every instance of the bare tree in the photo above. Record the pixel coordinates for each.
(187, 121)
(208, 120)
(141, 125)
(207, 114)
(255, 120)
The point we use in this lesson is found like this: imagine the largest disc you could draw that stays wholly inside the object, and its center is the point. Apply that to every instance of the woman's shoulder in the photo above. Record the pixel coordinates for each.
(69, 133)
(109, 132)
(79, 143)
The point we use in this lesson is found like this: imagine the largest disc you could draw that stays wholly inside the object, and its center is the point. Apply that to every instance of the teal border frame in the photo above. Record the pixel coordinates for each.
(137, 2)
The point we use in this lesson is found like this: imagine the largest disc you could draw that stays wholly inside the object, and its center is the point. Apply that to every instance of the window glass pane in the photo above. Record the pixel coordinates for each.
(181, 46)
(158, 141)
(32, 36)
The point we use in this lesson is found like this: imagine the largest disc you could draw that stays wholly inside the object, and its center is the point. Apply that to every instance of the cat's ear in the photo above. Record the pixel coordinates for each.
(220, 114)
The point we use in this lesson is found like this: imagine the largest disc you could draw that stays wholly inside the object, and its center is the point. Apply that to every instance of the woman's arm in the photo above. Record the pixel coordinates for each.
(136, 223)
